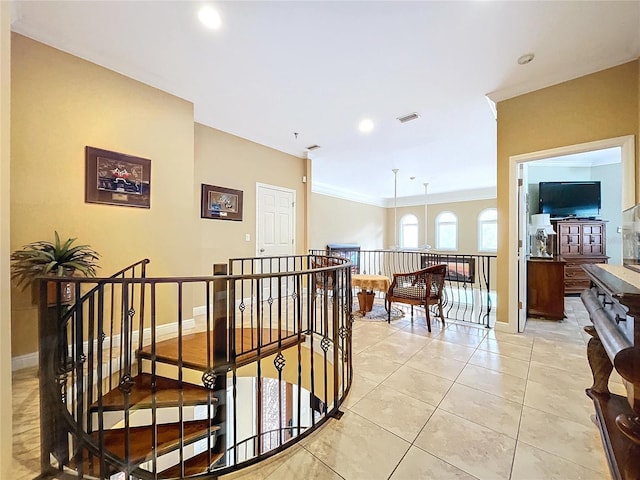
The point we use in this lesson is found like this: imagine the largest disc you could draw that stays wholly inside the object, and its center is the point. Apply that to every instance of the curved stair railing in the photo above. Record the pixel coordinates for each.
(195, 376)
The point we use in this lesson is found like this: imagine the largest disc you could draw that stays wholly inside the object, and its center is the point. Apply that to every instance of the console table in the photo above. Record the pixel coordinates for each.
(613, 304)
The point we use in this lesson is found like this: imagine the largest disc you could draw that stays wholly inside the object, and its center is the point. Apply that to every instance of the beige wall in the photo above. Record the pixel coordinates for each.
(226, 160)
(5, 291)
(334, 220)
(467, 213)
(63, 103)
(594, 107)
(371, 227)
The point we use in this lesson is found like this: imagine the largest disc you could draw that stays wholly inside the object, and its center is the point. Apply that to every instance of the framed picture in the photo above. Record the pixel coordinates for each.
(117, 179)
(221, 203)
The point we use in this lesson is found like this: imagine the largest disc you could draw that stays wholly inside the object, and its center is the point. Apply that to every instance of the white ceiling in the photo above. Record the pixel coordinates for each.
(318, 68)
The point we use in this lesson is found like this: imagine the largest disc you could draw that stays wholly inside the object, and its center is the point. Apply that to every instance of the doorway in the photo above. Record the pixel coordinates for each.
(275, 226)
(275, 237)
(517, 302)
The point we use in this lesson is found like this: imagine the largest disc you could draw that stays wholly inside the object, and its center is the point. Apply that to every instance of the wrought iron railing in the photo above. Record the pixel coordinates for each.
(132, 381)
(469, 293)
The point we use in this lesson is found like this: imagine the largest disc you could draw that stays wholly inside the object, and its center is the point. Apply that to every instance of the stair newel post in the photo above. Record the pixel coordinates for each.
(221, 353)
(53, 435)
(220, 316)
(79, 358)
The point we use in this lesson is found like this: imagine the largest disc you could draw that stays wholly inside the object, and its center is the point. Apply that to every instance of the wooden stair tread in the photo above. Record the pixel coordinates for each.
(194, 347)
(192, 466)
(140, 439)
(167, 394)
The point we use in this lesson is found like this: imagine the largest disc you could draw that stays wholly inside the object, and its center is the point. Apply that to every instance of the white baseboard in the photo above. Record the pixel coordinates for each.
(24, 361)
(31, 359)
(202, 309)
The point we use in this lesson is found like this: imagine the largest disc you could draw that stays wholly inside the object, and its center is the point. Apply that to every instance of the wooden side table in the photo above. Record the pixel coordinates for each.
(367, 285)
(545, 288)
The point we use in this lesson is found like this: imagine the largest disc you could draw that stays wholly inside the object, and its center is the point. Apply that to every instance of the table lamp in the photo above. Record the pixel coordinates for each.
(541, 228)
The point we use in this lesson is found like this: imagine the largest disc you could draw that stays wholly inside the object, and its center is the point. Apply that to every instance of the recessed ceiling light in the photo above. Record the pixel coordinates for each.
(527, 58)
(209, 17)
(366, 125)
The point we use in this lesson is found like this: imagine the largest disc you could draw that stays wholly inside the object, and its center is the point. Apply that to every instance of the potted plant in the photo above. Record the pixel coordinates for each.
(56, 258)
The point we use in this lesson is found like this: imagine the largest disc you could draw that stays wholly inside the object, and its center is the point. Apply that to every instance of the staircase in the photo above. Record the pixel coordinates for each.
(119, 403)
(139, 444)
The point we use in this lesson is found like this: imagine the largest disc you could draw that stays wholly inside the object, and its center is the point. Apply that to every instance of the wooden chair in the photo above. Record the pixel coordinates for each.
(325, 280)
(423, 287)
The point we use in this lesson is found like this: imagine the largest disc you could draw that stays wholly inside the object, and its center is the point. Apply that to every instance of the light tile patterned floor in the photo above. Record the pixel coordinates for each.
(460, 402)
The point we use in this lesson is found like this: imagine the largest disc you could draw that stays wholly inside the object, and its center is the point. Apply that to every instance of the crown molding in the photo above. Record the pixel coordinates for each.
(557, 78)
(331, 191)
(486, 193)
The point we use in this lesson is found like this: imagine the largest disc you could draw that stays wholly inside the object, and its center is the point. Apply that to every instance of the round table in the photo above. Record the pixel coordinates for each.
(367, 285)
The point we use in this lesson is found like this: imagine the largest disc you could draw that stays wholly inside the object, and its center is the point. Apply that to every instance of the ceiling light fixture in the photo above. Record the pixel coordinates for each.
(395, 208)
(527, 58)
(366, 125)
(426, 245)
(210, 17)
(313, 147)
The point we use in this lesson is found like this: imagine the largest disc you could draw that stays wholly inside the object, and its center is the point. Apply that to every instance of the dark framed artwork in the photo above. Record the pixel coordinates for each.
(117, 179)
(221, 203)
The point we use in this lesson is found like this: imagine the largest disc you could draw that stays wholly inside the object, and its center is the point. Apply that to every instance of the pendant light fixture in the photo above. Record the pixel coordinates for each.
(395, 208)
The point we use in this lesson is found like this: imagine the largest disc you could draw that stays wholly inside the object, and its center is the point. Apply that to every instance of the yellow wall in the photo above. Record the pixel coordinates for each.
(594, 107)
(225, 160)
(62, 103)
(5, 295)
(334, 220)
(467, 213)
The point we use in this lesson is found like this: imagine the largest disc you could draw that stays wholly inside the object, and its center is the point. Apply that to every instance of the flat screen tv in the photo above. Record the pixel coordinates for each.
(570, 199)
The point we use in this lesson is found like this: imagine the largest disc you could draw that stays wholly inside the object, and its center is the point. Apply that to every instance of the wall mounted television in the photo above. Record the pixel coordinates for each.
(570, 199)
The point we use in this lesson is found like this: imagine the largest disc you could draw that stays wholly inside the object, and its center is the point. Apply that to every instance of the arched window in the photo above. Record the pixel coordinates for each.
(447, 231)
(409, 231)
(488, 230)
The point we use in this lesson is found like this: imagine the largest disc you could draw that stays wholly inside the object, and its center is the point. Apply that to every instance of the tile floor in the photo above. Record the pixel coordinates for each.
(460, 402)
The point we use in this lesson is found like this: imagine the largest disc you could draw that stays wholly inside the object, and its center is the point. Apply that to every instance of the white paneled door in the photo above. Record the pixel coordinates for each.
(275, 236)
(276, 221)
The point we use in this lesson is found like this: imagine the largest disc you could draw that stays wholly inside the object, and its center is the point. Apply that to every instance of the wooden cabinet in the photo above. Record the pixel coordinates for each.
(580, 242)
(545, 288)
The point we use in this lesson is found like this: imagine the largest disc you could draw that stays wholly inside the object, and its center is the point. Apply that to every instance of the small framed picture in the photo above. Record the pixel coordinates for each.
(221, 203)
(117, 179)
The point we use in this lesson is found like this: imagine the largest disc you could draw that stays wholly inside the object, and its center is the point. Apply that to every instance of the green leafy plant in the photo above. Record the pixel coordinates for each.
(42, 258)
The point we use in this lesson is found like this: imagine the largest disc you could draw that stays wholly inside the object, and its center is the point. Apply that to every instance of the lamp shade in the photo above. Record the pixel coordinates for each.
(542, 221)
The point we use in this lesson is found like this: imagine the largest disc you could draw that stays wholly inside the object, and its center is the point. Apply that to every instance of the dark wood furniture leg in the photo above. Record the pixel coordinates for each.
(601, 366)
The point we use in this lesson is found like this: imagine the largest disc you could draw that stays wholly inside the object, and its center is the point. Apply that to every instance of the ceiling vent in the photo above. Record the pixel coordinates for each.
(313, 147)
(408, 117)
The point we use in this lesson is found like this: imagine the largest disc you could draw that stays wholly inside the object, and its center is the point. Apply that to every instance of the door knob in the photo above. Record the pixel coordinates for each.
(262, 250)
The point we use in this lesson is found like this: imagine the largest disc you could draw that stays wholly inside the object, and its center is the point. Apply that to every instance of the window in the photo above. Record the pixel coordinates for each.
(409, 231)
(488, 230)
(447, 231)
